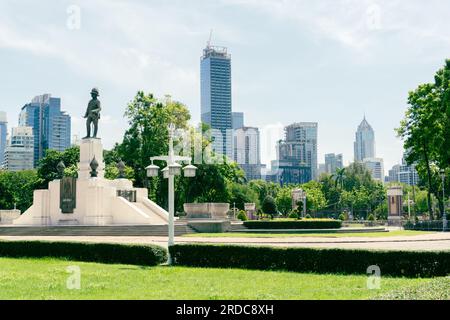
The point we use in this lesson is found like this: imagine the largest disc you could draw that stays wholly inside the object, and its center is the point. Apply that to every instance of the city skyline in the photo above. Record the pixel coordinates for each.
(346, 44)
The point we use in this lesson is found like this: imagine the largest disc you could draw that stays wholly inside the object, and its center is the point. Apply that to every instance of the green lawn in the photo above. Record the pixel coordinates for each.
(46, 279)
(314, 235)
(437, 289)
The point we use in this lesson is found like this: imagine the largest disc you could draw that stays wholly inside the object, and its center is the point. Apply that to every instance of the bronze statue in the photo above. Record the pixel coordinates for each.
(93, 114)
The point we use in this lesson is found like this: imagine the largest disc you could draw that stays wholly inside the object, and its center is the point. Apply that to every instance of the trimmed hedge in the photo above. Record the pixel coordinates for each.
(426, 225)
(145, 255)
(308, 260)
(300, 224)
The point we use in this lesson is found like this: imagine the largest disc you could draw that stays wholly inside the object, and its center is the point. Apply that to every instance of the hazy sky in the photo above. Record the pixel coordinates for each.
(328, 61)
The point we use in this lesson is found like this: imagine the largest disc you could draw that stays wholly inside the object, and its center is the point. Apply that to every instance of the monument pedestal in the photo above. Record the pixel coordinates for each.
(395, 205)
(89, 149)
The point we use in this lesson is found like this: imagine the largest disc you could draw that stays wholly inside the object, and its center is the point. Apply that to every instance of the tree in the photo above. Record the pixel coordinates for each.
(242, 194)
(284, 200)
(16, 189)
(213, 183)
(426, 132)
(148, 134)
(419, 131)
(111, 172)
(264, 189)
(147, 137)
(315, 199)
(339, 177)
(442, 84)
(269, 206)
(47, 167)
(331, 192)
(357, 175)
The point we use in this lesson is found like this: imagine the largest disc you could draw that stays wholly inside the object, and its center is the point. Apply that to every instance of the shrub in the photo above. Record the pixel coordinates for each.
(322, 261)
(242, 216)
(293, 215)
(301, 224)
(426, 225)
(269, 206)
(342, 217)
(371, 217)
(308, 216)
(148, 255)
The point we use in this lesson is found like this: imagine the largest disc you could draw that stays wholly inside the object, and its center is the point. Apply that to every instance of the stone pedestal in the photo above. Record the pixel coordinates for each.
(206, 210)
(395, 205)
(89, 149)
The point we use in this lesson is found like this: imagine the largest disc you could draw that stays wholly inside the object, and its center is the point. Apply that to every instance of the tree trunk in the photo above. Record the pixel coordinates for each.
(441, 206)
(427, 161)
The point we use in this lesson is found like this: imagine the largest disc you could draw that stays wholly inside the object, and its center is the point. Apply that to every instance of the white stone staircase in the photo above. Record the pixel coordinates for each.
(98, 231)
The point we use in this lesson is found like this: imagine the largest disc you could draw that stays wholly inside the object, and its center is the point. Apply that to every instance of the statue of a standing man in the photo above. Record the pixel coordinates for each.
(93, 114)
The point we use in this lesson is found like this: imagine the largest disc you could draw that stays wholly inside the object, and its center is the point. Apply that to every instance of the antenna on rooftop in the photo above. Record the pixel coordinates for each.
(210, 37)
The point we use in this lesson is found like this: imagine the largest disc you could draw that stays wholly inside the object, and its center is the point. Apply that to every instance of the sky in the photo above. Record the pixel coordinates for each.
(328, 61)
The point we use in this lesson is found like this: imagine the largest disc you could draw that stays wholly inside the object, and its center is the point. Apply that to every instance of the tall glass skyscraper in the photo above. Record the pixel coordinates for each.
(216, 111)
(3, 132)
(364, 145)
(51, 126)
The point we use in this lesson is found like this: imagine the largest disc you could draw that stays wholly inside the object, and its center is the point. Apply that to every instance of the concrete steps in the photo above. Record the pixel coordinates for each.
(238, 228)
(129, 231)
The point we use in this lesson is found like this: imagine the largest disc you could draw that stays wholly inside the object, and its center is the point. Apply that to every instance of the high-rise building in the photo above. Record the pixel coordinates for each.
(301, 144)
(404, 173)
(333, 162)
(393, 174)
(3, 134)
(322, 169)
(19, 154)
(376, 167)
(247, 151)
(237, 120)
(216, 97)
(297, 154)
(51, 126)
(364, 146)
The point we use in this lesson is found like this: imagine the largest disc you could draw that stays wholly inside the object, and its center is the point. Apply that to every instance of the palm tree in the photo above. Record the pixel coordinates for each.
(339, 177)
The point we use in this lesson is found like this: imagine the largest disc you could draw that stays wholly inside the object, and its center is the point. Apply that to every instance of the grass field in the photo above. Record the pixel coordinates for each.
(46, 279)
(437, 289)
(313, 235)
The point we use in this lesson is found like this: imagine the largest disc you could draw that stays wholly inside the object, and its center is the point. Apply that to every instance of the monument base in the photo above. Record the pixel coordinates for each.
(97, 201)
(395, 221)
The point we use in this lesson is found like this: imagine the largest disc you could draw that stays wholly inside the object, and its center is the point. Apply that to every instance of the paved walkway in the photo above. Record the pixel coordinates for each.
(427, 242)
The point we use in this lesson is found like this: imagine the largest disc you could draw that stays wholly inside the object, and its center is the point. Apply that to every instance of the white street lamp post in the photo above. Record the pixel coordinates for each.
(173, 169)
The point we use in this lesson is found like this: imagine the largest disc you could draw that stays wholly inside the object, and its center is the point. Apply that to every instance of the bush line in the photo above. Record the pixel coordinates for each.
(145, 255)
(301, 224)
(322, 261)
